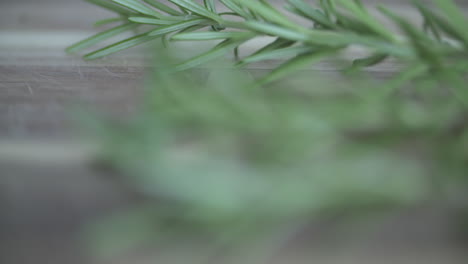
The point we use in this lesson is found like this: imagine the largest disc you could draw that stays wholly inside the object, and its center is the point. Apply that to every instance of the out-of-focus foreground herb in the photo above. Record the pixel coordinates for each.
(221, 160)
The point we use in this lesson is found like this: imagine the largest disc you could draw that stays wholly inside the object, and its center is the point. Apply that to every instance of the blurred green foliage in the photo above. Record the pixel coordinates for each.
(220, 157)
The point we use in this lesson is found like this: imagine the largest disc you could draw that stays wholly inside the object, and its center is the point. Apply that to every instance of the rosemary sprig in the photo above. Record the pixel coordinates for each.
(441, 44)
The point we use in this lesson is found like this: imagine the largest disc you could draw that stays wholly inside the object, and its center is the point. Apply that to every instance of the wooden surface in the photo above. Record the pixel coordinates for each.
(47, 188)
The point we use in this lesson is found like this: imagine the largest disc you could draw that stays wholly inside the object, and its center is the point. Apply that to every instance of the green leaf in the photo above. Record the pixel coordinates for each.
(177, 26)
(100, 37)
(197, 9)
(276, 54)
(121, 45)
(358, 64)
(367, 19)
(274, 30)
(305, 10)
(439, 22)
(295, 64)
(107, 21)
(328, 7)
(455, 17)
(276, 44)
(369, 61)
(211, 35)
(429, 19)
(327, 38)
(138, 7)
(191, 29)
(210, 5)
(151, 21)
(270, 14)
(423, 45)
(163, 7)
(236, 9)
(218, 51)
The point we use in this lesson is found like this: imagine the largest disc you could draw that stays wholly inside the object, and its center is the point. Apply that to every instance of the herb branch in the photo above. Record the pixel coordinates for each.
(438, 48)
